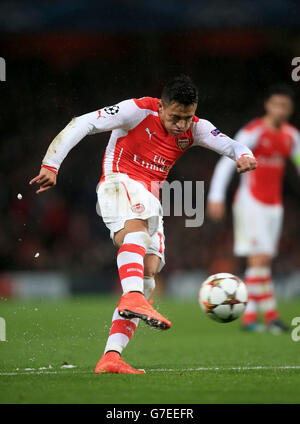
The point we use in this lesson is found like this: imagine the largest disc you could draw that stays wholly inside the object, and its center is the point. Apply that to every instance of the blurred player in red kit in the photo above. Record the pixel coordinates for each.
(257, 204)
(148, 136)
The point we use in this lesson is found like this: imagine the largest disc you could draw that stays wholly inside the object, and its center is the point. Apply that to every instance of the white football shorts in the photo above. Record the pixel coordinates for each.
(121, 198)
(257, 226)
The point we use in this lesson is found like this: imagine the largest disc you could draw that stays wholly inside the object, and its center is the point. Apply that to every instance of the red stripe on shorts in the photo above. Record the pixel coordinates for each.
(128, 197)
(160, 243)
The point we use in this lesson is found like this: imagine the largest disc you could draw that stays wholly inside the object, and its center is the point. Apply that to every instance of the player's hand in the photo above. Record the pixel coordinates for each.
(46, 179)
(246, 163)
(216, 210)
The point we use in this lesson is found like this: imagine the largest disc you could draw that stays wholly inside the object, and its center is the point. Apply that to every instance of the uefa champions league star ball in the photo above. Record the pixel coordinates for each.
(223, 297)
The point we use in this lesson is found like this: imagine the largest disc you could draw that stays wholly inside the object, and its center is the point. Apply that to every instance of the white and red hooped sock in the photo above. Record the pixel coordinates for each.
(122, 329)
(251, 281)
(261, 295)
(130, 262)
(250, 314)
(266, 298)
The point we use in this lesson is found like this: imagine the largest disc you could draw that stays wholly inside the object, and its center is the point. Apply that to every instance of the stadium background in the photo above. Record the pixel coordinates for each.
(67, 58)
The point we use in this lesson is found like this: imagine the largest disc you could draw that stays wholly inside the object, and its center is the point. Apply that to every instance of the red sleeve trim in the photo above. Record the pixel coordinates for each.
(51, 168)
(247, 154)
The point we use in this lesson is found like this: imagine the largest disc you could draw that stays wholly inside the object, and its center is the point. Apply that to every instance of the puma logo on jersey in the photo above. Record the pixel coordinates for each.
(149, 133)
(99, 114)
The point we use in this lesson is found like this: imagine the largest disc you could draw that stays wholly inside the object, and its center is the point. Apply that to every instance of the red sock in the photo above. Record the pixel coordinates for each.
(261, 291)
(130, 261)
(120, 333)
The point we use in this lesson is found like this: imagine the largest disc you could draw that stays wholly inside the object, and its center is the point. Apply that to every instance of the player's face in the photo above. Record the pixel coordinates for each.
(175, 117)
(279, 107)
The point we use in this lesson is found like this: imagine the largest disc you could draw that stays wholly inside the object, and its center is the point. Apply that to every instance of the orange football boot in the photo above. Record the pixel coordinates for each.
(112, 363)
(135, 305)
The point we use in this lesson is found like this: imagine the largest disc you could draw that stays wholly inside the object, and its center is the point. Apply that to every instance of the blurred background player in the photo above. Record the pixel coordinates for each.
(257, 204)
(148, 136)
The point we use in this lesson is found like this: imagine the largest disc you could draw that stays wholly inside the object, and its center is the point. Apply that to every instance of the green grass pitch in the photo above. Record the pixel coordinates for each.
(196, 361)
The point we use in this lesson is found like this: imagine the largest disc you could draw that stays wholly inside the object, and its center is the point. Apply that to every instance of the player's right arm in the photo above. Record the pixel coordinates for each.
(222, 175)
(224, 170)
(108, 118)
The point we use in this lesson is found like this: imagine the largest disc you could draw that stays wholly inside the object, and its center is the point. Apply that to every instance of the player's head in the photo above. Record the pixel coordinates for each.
(279, 103)
(178, 104)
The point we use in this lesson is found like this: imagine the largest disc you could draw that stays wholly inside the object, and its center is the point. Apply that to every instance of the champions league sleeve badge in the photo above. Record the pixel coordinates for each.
(215, 132)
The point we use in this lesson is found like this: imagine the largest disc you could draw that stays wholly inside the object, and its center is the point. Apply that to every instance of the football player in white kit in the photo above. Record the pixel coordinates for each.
(257, 204)
(148, 136)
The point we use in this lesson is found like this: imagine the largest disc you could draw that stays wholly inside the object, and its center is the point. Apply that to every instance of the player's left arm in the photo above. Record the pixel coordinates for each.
(207, 135)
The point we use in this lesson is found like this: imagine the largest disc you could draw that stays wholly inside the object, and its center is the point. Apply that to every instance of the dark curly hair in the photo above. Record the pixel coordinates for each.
(180, 89)
(282, 89)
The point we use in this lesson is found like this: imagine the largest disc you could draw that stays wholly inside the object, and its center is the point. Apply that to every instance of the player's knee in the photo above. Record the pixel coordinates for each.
(135, 230)
(150, 272)
(146, 238)
(138, 237)
(263, 260)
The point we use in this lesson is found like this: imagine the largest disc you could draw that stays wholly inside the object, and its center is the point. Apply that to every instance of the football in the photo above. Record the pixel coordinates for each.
(223, 297)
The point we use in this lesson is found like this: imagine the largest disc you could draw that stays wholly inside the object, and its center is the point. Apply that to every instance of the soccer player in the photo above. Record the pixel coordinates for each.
(148, 136)
(257, 204)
